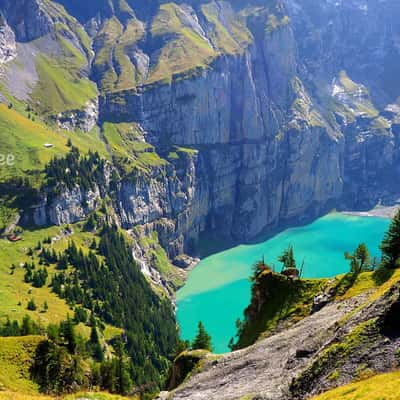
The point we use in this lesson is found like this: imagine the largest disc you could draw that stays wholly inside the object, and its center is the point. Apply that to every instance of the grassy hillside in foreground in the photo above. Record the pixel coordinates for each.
(277, 300)
(90, 266)
(16, 354)
(274, 300)
(15, 293)
(380, 387)
(9, 395)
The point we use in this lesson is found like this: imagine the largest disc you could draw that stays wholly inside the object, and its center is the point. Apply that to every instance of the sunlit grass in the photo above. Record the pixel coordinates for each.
(16, 354)
(380, 387)
(15, 293)
(25, 140)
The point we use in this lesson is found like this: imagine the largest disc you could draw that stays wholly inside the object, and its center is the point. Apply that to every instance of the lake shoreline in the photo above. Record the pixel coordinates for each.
(379, 211)
(218, 289)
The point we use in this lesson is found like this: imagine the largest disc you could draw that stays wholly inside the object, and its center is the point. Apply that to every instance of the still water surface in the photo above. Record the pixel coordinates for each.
(218, 289)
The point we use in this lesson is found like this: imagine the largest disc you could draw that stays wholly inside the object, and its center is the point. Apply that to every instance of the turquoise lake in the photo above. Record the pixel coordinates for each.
(218, 289)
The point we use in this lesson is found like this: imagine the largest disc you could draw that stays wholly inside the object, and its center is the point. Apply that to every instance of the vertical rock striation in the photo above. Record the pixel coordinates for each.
(281, 111)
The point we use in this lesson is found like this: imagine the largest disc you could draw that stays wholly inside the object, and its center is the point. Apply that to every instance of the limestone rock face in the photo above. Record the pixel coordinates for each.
(273, 145)
(161, 203)
(8, 46)
(28, 18)
(69, 207)
(85, 119)
(284, 130)
(292, 112)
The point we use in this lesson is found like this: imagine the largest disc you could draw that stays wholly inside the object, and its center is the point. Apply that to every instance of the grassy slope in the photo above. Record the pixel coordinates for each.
(59, 88)
(380, 387)
(128, 76)
(25, 139)
(10, 395)
(289, 302)
(112, 64)
(15, 360)
(129, 149)
(16, 355)
(62, 82)
(105, 42)
(14, 290)
(184, 50)
(69, 24)
(230, 36)
(376, 283)
(61, 62)
(286, 301)
(177, 48)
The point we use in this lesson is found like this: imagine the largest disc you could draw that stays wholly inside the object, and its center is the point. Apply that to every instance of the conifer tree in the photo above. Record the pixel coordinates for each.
(258, 268)
(391, 243)
(68, 333)
(31, 305)
(360, 260)
(123, 380)
(93, 245)
(28, 326)
(202, 340)
(90, 224)
(95, 345)
(287, 258)
(62, 262)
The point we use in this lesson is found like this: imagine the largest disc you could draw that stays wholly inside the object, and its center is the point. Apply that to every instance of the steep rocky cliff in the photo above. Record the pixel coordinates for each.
(280, 110)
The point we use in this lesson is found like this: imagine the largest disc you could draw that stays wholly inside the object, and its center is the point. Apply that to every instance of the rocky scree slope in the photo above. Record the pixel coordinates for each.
(351, 337)
(237, 116)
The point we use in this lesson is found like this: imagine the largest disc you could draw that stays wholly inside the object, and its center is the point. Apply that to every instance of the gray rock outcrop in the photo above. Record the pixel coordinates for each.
(299, 362)
(8, 45)
(84, 120)
(28, 18)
